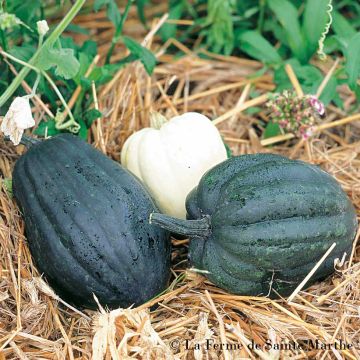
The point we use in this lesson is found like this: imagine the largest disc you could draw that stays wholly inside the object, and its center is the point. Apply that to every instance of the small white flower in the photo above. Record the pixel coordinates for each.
(17, 119)
(42, 27)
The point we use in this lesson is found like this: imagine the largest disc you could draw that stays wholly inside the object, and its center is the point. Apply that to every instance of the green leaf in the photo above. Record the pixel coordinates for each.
(89, 47)
(66, 42)
(329, 93)
(47, 92)
(140, 4)
(271, 130)
(144, 55)
(342, 42)
(331, 44)
(255, 45)
(220, 34)
(287, 15)
(308, 76)
(169, 30)
(352, 65)
(77, 29)
(338, 101)
(91, 115)
(84, 61)
(113, 13)
(83, 132)
(85, 83)
(112, 10)
(66, 64)
(23, 52)
(8, 186)
(250, 12)
(27, 11)
(278, 31)
(98, 4)
(315, 19)
(342, 26)
(253, 110)
(100, 75)
(357, 93)
(46, 128)
(228, 150)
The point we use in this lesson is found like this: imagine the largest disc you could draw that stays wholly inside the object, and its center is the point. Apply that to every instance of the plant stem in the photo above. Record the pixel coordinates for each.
(35, 86)
(60, 125)
(60, 28)
(72, 121)
(21, 62)
(260, 23)
(157, 120)
(193, 228)
(3, 40)
(118, 31)
(25, 140)
(49, 41)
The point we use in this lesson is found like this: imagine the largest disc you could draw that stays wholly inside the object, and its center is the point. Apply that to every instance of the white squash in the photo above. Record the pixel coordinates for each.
(171, 157)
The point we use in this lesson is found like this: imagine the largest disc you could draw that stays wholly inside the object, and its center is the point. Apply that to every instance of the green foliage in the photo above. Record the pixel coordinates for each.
(276, 32)
(112, 10)
(272, 129)
(352, 66)
(7, 182)
(91, 115)
(169, 30)
(46, 128)
(27, 11)
(138, 52)
(65, 63)
(219, 26)
(144, 55)
(287, 15)
(342, 27)
(254, 44)
(313, 26)
(228, 150)
(62, 59)
(141, 10)
(8, 21)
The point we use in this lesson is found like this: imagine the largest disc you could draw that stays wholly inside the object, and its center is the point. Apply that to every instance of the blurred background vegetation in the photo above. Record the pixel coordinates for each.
(274, 32)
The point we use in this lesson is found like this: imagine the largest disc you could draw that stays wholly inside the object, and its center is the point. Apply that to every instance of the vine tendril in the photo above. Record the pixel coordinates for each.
(320, 51)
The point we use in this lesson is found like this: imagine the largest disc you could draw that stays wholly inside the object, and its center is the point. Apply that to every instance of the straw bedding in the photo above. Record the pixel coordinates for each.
(194, 317)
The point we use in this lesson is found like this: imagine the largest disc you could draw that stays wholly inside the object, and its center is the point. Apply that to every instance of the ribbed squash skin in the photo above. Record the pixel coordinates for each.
(86, 224)
(271, 220)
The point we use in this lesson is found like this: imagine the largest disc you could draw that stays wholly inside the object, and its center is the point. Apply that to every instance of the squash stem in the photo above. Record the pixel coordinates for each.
(192, 228)
(157, 120)
(28, 141)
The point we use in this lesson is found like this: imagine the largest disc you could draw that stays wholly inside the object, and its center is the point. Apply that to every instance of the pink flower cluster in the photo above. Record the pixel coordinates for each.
(296, 114)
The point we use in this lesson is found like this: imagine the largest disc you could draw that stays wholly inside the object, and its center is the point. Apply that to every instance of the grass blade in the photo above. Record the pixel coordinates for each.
(287, 15)
(342, 26)
(255, 45)
(352, 66)
(143, 54)
(315, 19)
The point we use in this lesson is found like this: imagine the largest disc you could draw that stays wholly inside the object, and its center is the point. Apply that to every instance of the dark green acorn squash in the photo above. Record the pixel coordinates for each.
(87, 227)
(259, 223)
